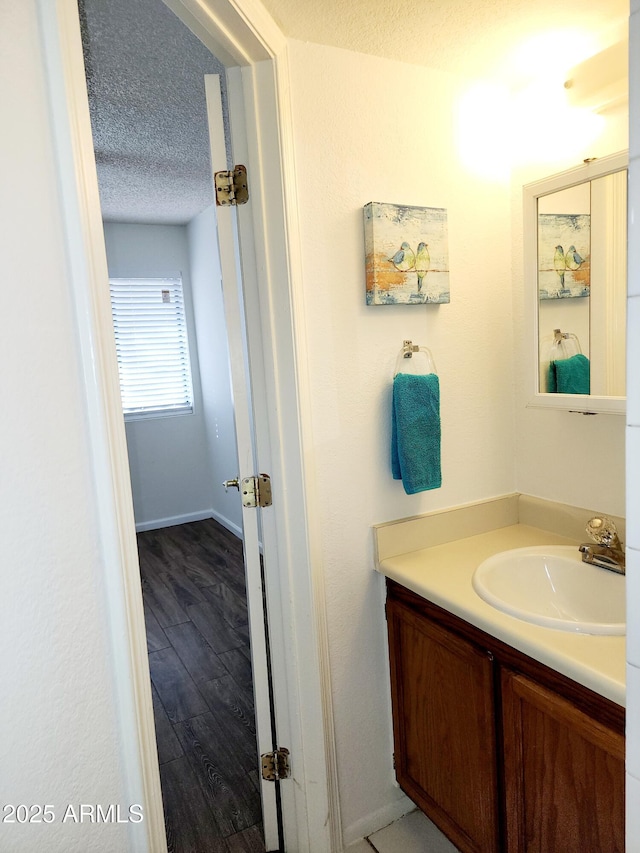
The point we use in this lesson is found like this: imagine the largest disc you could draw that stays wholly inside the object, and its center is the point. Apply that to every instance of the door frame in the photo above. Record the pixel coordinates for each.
(241, 35)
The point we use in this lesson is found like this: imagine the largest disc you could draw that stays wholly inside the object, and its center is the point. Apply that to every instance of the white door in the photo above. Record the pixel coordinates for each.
(227, 234)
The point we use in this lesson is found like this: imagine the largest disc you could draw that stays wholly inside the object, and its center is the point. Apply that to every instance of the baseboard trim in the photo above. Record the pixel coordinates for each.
(378, 820)
(221, 519)
(173, 520)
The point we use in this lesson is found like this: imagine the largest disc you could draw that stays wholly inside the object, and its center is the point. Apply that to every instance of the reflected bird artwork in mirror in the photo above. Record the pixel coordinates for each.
(564, 274)
(575, 274)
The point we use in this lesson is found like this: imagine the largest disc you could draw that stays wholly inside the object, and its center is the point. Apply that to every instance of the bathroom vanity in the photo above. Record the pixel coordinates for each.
(508, 735)
(500, 751)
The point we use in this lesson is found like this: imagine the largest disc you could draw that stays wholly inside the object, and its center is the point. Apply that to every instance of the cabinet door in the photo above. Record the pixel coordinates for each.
(444, 729)
(564, 774)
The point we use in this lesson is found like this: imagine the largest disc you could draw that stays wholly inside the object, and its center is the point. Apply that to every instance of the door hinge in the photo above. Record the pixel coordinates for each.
(231, 187)
(275, 765)
(256, 491)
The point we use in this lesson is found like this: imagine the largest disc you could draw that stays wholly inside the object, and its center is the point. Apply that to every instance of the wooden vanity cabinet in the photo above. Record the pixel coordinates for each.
(502, 753)
(563, 773)
(444, 727)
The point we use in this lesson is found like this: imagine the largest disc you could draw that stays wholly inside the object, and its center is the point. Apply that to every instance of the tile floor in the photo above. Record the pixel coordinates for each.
(414, 833)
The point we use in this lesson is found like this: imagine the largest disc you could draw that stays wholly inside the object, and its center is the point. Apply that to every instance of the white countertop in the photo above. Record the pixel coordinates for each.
(442, 574)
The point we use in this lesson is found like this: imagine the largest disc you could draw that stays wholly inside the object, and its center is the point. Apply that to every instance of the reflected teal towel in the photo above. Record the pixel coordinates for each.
(415, 432)
(570, 375)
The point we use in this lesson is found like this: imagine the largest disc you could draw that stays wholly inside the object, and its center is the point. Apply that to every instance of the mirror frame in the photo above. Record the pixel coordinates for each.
(597, 168)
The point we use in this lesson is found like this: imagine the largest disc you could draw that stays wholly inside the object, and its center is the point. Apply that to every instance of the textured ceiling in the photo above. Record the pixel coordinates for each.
(145, 74)
(468, 37)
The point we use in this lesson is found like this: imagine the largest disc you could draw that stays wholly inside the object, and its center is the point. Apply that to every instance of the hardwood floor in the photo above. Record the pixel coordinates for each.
(197, 637)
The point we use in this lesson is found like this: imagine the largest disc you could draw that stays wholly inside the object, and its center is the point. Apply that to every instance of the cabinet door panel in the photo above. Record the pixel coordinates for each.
(564, 774)
(444, 728)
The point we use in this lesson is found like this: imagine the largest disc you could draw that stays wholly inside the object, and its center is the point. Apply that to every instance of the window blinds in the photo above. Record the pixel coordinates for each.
(151, 345)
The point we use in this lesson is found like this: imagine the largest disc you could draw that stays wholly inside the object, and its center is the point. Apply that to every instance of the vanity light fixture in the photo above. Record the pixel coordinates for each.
(601, 82)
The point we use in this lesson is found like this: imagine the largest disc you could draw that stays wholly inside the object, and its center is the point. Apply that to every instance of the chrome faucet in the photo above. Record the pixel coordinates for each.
(607, 552)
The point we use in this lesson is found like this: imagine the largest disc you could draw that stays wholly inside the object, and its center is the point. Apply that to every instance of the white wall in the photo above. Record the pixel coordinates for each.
(171, 475)
(370, 129)
(61, 728)
(213, 355)
(563, 456)
(633, 446)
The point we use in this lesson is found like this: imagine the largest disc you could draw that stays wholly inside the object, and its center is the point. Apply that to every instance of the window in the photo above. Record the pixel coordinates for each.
(151, 345)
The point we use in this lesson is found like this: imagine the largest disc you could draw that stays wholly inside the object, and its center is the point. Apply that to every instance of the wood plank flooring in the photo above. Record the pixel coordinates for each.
(197, 636)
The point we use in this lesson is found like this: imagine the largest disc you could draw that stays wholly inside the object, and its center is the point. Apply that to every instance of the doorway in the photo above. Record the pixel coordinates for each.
(145, 75)
(257, 67)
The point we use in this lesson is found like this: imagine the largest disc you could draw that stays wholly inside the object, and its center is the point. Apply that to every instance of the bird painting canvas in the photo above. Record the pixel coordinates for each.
(406, 254)
(564, 255)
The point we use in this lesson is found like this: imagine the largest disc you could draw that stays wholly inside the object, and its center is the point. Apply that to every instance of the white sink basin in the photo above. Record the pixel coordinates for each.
(551, 586)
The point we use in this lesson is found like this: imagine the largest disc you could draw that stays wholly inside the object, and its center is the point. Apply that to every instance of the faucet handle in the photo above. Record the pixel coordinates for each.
(603, 531)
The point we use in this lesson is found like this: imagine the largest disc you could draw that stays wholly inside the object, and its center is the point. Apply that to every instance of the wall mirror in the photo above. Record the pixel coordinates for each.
(575, 245)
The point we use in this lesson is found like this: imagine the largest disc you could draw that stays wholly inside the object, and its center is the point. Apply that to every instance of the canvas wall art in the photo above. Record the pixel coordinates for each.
(564, 255)
(406, 254)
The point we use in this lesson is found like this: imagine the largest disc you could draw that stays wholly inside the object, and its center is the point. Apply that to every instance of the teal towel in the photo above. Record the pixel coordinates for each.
(570, 375)
(415, 432)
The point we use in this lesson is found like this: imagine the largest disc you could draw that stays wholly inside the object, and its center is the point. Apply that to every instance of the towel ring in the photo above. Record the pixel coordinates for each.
(566, 343)
(559, 345)
(407, 352)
